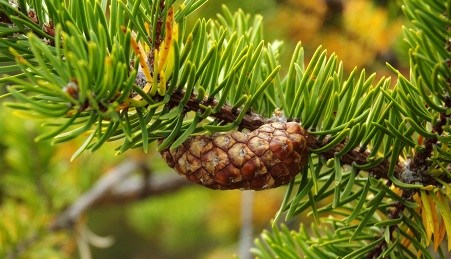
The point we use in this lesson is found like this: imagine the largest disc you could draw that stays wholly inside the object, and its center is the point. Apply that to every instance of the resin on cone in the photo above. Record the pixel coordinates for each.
(267, 157)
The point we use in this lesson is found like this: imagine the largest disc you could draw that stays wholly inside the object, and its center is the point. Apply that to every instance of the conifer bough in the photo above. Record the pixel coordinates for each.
(267, 157)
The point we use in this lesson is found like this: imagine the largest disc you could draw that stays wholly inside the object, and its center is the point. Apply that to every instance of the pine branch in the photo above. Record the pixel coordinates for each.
(226, 113)
(357, 156)
(396, 211)
(224, 72)
(252, 121)
(46, 31)
(230, 114)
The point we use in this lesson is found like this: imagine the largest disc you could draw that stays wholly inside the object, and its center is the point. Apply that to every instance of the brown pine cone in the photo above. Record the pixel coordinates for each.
(267, 157)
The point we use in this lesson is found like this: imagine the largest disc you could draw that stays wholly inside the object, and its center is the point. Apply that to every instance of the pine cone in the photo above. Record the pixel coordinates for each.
(267, 157)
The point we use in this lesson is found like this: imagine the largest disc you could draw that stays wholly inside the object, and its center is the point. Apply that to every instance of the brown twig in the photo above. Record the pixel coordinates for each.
(226, 114)
(120, 185)
(355, 156)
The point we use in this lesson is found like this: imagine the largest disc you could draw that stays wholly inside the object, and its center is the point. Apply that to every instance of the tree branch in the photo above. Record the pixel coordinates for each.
(252, 121)
(226, 114)
(120, 185)
(356, 156)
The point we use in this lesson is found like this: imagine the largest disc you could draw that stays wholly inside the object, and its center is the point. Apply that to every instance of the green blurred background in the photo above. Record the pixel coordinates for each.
(37, 181)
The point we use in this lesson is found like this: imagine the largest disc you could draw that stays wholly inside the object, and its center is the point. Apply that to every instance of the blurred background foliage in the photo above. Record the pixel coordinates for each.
(363, 33)
(37, 181)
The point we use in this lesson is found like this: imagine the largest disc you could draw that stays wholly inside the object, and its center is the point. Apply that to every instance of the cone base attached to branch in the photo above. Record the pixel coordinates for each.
(270, 156)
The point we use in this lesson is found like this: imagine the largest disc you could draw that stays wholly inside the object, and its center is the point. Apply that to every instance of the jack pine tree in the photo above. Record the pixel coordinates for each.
(368, 161)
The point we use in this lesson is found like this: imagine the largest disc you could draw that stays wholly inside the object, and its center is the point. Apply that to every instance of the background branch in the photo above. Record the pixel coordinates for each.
(121, 185)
